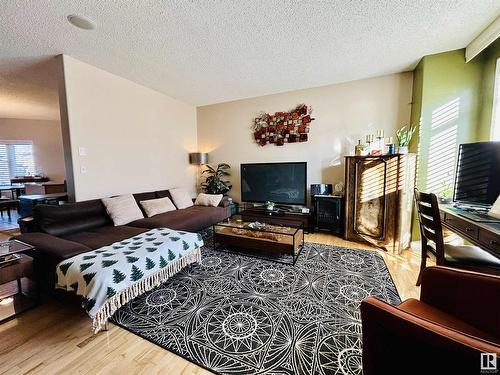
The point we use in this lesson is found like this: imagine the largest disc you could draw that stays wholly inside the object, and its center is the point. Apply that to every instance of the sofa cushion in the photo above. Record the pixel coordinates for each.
(163, 194)
(157, 206)
(208, 199)
(122, 209)
(181, 198)
(144, 196)
(49, 252)
(432, 314)
(70, 217)
(103, 236)
(52, 247)
(193, 219)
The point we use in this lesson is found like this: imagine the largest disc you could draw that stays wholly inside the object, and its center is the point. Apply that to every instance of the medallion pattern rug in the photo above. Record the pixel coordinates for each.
(234, 314)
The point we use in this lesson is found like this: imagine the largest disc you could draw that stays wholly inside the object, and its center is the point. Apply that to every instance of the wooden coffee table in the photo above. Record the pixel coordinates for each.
(267, 240)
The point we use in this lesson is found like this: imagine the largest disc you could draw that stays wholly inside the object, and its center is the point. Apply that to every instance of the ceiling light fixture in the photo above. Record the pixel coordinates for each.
(80, 22)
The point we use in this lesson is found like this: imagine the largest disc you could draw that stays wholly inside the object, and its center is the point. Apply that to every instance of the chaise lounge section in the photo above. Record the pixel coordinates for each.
(74, 228)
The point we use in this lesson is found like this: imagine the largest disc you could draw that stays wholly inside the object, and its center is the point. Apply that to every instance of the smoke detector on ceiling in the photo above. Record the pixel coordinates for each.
(80, 22)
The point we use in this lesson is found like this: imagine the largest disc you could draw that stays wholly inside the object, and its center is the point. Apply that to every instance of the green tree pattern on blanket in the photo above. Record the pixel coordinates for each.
(163, 262)
(150, 264)
(118, 276)
(136, 273)
(171, 255)
(64, 267)
(185, 245)
(88, 277)
(108, 263)
(84, 266)
(74, 287)
(131, 259)
(110, 292)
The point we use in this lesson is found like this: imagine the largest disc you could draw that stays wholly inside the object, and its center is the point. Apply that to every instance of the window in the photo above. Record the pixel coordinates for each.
(495, 117)
(16, 159)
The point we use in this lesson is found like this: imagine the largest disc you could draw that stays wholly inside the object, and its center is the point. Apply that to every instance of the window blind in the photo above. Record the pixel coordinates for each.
(16, 159)
(23, 163)
(4, 166)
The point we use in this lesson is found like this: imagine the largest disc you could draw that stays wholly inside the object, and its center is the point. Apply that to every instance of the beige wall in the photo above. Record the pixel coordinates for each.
(47, 143)
(136, 138)
(344, 113)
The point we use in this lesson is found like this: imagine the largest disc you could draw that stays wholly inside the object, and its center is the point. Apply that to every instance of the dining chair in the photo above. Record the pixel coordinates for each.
(431, 232)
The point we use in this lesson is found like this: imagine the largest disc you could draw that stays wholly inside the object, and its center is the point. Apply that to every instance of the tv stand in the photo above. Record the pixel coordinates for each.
(279, 217)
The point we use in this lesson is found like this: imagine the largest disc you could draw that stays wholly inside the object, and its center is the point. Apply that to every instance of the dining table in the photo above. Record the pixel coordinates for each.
(15, 189)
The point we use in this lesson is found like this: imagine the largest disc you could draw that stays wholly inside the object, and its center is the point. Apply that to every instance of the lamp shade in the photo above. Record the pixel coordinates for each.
(198, 158)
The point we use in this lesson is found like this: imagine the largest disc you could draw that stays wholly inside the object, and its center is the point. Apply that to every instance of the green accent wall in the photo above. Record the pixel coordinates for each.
(451, 104)
(489, 59)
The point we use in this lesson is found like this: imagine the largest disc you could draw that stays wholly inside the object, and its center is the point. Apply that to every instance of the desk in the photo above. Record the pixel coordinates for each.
(484, 235)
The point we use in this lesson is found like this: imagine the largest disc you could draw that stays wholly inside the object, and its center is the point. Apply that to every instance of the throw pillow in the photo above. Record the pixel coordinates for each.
(181, 198)
(157, 206)
(122, 209)
(208, 200)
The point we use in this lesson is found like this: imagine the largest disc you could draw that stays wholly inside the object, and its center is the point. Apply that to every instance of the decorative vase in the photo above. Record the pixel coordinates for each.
(402, 149)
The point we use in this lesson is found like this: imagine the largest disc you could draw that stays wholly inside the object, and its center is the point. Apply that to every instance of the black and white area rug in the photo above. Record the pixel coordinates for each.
(235, 315)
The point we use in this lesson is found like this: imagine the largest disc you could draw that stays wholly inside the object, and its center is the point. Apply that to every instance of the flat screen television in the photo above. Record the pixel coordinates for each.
(282, 183)
(477, 178)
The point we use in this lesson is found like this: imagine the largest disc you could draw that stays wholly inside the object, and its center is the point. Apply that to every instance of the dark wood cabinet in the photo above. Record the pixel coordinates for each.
(278, 218)
(379, 199)
(327, 213)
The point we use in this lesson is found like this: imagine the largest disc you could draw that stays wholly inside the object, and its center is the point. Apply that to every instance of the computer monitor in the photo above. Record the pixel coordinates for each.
(477, 178)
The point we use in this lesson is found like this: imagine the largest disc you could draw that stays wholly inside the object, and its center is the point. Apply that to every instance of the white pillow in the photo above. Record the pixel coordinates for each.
(122, 209)
(157, 206)
(208, 200)
(181, 198)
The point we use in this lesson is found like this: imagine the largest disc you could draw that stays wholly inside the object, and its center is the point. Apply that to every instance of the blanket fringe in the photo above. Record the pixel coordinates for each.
(142, 286)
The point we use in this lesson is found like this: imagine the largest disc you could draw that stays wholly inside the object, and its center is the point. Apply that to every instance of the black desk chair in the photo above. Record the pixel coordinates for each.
(467, 257)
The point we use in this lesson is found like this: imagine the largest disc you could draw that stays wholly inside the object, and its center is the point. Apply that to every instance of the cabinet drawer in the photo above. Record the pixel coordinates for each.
(462, 226)
(490, 241)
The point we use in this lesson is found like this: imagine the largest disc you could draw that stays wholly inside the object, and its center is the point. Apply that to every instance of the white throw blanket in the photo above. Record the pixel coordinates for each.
(111, 276)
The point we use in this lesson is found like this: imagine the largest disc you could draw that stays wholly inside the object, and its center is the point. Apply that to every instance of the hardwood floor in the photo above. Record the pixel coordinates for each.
(55, 338)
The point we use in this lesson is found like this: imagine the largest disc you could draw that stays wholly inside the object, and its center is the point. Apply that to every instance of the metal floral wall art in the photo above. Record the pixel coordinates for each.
(283, 127)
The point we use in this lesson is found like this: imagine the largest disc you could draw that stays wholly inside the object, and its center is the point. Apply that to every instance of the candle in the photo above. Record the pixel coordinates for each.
(380, 133)
(369, 138)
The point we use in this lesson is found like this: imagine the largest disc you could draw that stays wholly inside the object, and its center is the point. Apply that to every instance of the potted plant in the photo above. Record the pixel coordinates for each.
(214, 183)
(404, 136)
(269, 206)
(446, 194)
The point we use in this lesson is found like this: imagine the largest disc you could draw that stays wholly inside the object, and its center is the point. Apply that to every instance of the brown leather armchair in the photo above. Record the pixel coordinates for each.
(456, 319)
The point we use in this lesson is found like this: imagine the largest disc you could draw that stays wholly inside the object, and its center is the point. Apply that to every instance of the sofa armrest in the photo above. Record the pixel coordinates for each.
(49, 251)
(470, 296)
(394, 340)
(53, 247)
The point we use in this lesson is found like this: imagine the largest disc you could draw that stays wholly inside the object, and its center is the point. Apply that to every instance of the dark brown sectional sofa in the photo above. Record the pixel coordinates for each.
(74, 228)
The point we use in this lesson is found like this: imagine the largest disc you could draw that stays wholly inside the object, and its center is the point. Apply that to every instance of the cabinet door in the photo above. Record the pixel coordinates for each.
(370, 206)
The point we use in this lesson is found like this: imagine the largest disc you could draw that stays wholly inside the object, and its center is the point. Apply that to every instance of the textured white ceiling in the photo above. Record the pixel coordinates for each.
(28, 89)
(205, 52)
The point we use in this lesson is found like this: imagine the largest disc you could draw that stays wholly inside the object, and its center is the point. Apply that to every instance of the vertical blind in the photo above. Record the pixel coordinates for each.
(16, 159)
